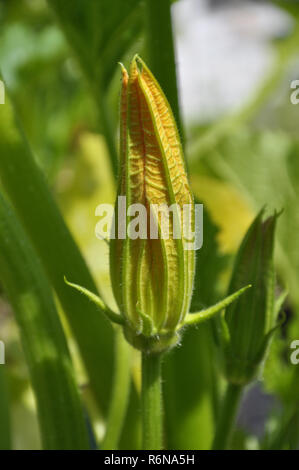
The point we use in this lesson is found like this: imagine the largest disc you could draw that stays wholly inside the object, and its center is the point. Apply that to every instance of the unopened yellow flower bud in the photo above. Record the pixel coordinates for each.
(152, 278)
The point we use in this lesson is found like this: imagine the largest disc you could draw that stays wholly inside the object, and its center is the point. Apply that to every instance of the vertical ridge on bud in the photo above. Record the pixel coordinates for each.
(151, 278)
(167, 138)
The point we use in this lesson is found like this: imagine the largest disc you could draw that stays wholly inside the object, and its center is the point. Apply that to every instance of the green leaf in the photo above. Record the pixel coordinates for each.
(287, 435)
(189, 388)
(120, 395)
(27, 188)
(210, 264)
(99, 34)
(160, 50)
(131, 433)
(250, 319)
(291, 6)
(263, 167)
(59, 407)
(190, 372)
(99, 37)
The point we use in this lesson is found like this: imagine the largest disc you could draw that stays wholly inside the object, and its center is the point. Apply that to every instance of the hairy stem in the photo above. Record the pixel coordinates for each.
(151, 402)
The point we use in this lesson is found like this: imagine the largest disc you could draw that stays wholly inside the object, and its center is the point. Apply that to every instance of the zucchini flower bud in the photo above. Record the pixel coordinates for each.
(250, 322)
(152, 255)
(151, 273)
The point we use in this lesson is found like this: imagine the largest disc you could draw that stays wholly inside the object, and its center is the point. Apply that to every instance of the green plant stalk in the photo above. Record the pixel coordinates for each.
(227, 416)
(60, 412)
(5, 431)
(27, 188)
(161, 52)
(151, 402)
(120, 393)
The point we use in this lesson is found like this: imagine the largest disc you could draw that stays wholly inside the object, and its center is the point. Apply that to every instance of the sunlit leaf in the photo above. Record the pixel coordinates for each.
(59, 408)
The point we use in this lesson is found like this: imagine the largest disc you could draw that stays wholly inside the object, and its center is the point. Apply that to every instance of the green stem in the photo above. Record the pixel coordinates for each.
(227, 416)
(151, 402)
(161, 51)
(120, 394)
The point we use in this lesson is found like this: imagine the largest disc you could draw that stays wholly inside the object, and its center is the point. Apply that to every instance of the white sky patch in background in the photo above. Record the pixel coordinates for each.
(223, 53)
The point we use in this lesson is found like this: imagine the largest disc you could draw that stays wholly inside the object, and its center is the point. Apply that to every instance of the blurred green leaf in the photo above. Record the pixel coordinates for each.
(189, 386)
(251, 319)
(59, 408)
(27, 189)
(291, 6)
(131, 433)
(190, 371)
(286, 436)
(262, 166)
(46, 89)
(120, 396)
(99, 35)
(210, 263)
(281, 378)
(20, 46)
(257, 165)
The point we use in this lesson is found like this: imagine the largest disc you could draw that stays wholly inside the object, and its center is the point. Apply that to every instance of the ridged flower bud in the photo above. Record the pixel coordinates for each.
(152, 275)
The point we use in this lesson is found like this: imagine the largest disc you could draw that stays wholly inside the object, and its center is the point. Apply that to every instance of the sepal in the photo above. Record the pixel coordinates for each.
(204, 315)
(112, 316)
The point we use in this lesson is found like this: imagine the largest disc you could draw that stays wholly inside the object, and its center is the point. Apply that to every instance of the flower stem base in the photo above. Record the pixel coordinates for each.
(151, 402)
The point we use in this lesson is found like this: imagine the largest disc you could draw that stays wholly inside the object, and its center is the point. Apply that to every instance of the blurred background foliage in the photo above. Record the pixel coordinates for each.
(60, 67)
